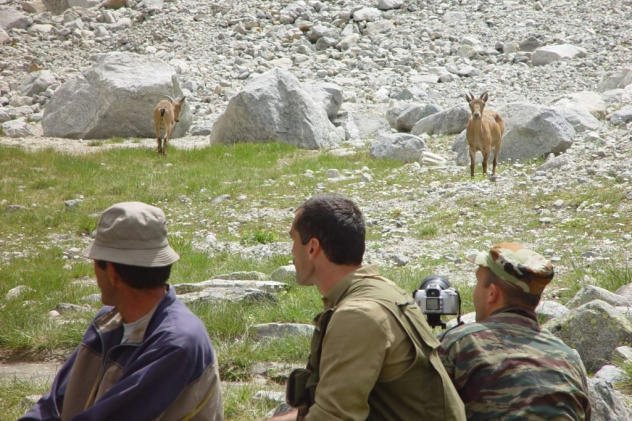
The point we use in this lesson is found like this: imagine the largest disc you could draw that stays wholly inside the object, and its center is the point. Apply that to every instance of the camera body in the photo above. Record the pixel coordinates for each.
(435, 300)
(435, 297)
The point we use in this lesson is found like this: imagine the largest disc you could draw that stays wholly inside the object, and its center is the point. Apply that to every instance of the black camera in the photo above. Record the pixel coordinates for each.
(435, 297)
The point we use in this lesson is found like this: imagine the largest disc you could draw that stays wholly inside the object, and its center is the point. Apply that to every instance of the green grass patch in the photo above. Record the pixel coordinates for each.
(259, 236)
(246, 194)
(12, 393)
(426, 231)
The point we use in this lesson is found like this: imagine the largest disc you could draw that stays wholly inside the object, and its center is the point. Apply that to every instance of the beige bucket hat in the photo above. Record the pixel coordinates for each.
(132, 233)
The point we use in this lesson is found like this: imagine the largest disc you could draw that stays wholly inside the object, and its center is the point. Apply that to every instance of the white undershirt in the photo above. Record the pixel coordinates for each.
(128, 328)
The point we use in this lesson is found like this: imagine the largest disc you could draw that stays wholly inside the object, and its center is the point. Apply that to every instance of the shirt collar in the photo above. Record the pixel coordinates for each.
(336, 293)
(518, 310)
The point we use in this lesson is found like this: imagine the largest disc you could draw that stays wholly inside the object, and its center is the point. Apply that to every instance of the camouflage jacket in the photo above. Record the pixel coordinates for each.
(507, 367)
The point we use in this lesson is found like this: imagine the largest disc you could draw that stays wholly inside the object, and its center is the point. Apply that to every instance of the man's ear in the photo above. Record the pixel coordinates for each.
(314, 247)
(494, 294)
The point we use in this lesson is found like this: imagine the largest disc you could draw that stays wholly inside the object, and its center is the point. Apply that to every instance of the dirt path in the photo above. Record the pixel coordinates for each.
(37, 372)
(75, 146)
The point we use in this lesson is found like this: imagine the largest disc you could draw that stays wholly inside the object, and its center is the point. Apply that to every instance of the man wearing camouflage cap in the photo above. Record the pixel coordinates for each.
(505, 366)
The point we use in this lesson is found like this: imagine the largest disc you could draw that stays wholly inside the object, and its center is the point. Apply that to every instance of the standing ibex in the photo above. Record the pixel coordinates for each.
(168, 112)
(484, 132)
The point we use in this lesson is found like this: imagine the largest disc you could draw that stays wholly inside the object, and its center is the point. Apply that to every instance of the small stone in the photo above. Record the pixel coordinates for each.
(19, 290)
(333, 173)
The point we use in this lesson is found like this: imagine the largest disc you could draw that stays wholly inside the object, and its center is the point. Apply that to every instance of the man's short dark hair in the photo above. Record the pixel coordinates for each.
(140, 277)
(514, 297)
(337, 223)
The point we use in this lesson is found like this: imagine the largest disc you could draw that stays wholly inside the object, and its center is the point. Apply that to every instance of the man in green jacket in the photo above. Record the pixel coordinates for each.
(373, 355)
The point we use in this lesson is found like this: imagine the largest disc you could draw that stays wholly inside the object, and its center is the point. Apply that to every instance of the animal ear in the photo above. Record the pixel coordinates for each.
(485, 96)
(469, 98)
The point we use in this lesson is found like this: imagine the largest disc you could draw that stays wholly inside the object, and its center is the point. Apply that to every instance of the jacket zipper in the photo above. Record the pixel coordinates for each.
(96, 386)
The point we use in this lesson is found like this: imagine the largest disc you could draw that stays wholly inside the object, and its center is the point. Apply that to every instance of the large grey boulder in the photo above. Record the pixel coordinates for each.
(285, 273)
(329, 95)
(594, 329)
(617, 96)
(588, 100)
(531, 131)
(611, 373)
(370, 123)
(550, 309)
(319, 31)
(12, 19)
(243, 275)
(16, 128)
(366, 14)
(622, 354)
(275, 107)
(4, 37)
(389, 4)
(550, 53)
(625, 291)
(451, 121)
(202, 127)
(345, 120)
(402, 116)
(622, 116)
(114, 97)
(84, 3)
(607, 403)
(412, 93)
(281, 330)
(616, 79)
(396, 109)
(35, 6)
(150, 6)
(378, 27)
(266, 286)
(37, 82)
(580, 118)
(591, 292)
(231, 294)
(398, 146)
(429, 159)
(56, 6)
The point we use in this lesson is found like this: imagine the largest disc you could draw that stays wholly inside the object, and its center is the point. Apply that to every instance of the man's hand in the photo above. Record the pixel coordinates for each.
(288, 416)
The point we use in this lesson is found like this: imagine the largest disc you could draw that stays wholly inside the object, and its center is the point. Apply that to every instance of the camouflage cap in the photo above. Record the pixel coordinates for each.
(522, 268)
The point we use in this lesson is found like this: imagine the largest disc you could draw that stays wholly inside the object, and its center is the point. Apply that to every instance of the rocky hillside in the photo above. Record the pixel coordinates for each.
(373, 49)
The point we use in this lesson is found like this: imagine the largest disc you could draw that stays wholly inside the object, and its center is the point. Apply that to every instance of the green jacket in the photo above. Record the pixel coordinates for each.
(361, 306)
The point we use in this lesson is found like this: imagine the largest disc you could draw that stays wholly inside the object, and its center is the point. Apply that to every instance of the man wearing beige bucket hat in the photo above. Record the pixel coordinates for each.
(505, 366)
(145, 356)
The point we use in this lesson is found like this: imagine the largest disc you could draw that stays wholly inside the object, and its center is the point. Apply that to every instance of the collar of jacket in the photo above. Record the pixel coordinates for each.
(530, 314)
(111, 320)
(338, 291)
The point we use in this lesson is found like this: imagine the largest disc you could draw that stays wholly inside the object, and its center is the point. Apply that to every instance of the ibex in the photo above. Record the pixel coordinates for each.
(168, 112)
(484, 132)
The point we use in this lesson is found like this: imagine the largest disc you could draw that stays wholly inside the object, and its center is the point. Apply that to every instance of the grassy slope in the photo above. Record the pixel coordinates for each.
(39, 241)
